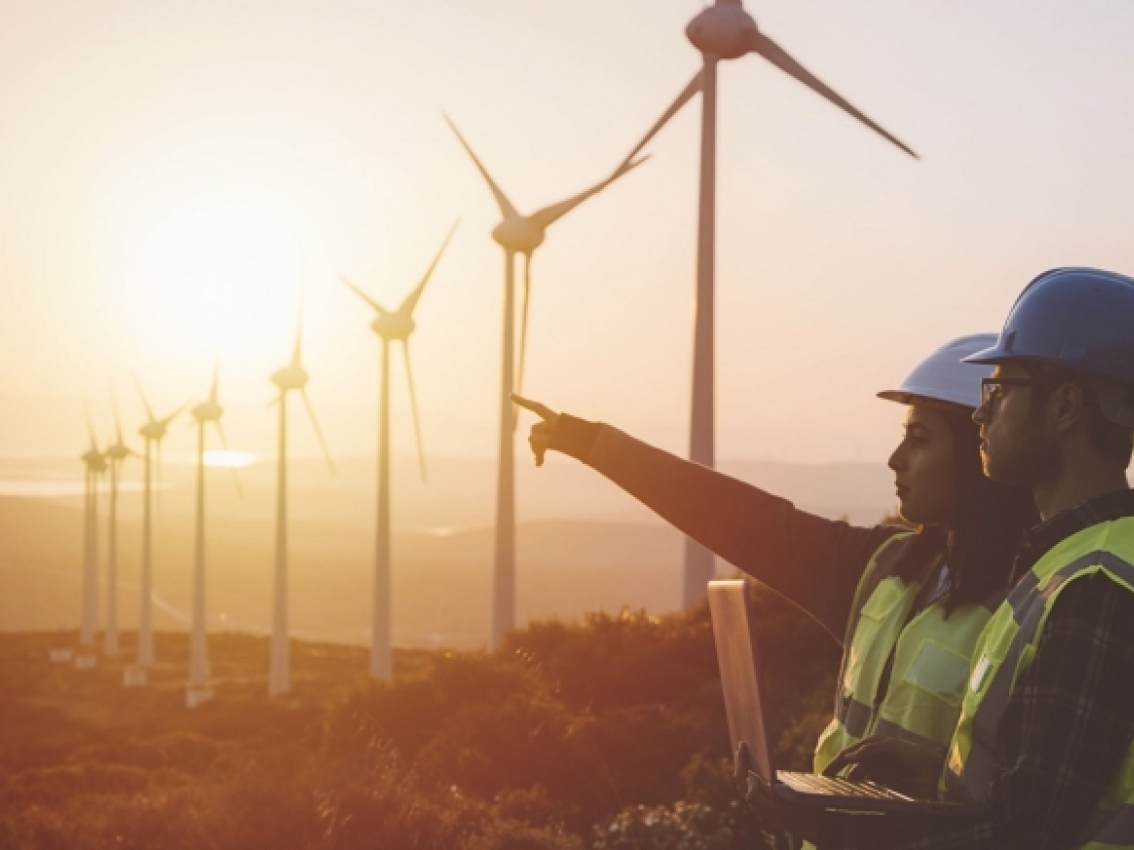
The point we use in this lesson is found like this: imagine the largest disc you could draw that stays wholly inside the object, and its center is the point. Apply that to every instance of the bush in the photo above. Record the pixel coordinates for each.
(607, 733)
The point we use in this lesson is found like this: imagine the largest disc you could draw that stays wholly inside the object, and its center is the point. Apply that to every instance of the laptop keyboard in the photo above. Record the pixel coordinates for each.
(833, 786)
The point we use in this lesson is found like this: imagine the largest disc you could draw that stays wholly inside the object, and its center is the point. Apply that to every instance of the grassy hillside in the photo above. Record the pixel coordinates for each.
(601, 734)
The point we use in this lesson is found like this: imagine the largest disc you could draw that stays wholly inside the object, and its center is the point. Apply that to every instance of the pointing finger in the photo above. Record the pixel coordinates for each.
(540, 410)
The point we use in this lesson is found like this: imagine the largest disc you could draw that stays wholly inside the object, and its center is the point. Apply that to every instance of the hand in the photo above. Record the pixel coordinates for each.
(540, 437)
(771, 812)
(904, 766)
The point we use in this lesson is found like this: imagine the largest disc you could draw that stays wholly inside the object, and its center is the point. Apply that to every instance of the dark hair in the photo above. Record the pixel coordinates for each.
(1113, 441)
(989, 521)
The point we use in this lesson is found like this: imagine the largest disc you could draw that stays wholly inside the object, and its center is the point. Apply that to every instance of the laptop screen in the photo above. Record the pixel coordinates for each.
(731, 611)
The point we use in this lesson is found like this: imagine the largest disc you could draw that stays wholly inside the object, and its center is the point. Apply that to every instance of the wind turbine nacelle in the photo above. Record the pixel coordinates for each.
(207, 411)
(393, 326)
(519, 235)
(291, 378)
(724, 31)
(94, 460)
(152, 430)
(118, 452)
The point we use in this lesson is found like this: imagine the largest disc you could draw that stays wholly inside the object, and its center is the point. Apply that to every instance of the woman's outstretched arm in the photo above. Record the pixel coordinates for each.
(813, 561)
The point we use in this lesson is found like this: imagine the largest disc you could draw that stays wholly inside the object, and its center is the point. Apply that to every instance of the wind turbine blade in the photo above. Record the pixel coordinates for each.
(318, 430)
(220, 433)
(407, 307)
(173, 415)
(297, 352)
(90, 426)
(506, 208)
(549, 215)
(117, 421)
(694, 87)
(779, 57)
(524, 329)
(232, 469)
(216, 382)
(142, 393)
(363, 295)
(413, 407)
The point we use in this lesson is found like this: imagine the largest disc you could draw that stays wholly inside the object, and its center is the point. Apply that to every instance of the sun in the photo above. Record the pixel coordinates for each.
(216, 269)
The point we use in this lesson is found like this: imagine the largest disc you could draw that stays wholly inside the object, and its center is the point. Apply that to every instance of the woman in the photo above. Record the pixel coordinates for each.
(910, 603)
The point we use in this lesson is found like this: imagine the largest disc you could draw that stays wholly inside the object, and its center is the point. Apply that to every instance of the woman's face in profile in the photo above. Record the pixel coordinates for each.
(924, 468)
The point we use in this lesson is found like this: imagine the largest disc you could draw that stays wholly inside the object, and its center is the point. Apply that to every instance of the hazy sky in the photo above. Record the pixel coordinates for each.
(165, 165)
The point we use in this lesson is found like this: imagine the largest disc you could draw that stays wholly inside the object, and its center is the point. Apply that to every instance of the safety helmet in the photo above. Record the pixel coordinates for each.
(1078, 318)
(945, 375)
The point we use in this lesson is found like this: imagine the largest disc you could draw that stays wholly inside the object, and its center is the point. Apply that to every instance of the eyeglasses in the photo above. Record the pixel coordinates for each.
(992, 389)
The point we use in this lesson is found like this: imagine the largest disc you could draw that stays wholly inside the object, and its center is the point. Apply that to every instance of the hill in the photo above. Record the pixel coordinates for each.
(582, 546)
(603, 734)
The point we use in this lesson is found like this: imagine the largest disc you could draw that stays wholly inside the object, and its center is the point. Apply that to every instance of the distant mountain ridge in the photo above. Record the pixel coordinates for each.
(582, 545)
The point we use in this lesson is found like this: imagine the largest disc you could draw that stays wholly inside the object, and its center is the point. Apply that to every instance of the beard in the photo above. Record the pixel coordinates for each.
(1029, 459)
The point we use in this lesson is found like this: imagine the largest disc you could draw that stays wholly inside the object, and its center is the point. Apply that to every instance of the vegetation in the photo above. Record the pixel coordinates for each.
(607, 733)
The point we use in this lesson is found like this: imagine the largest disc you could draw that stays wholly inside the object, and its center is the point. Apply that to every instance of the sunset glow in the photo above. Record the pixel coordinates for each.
(228, 458)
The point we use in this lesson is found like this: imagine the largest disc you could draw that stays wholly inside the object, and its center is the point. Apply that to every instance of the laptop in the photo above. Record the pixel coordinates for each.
(732, 615)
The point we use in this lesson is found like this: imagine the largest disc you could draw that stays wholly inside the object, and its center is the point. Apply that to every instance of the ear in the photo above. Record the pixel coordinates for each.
(1067, 408)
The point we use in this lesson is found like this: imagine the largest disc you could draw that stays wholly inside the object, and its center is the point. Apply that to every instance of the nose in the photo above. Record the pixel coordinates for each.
(980, 415)
(895, 462)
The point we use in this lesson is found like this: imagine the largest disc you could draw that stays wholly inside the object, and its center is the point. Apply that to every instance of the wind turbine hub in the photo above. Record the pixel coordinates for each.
(724, 31)
(152, 430)
(519, 235)
(118, 452)
(393, 326)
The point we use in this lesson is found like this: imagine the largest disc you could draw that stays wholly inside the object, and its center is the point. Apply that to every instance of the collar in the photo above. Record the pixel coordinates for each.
(1045, 536)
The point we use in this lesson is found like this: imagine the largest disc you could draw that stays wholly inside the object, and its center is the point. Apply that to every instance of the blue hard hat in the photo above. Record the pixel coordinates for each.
(1079, 318)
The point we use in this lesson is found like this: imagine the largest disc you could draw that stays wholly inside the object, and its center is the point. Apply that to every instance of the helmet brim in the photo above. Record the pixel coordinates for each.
(936, 398)
(990, 356)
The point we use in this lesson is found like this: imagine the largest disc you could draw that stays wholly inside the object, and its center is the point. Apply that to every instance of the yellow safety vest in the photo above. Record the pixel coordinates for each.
(1004, 653)
(931, 652)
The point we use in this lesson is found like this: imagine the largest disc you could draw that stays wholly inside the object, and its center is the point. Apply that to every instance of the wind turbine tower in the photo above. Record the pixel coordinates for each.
(95, 463)
(116, 453)
(153, 432)
(391, 326)
(205, 412)
(720, 32)
(518, 235)
(292, 378)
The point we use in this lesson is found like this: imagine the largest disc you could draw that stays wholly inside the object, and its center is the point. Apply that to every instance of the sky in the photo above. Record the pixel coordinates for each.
(170, 172)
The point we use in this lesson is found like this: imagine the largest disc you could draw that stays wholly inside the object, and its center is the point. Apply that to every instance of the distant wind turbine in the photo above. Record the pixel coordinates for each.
(391, 326)
(518, 234)
(720, 32)
(292, 378)
(153, 432)
(95, 463)
(116, 453)
(205, 412)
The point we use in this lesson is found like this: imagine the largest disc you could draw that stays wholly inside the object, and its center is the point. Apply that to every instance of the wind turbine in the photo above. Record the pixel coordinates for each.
(518, 234)
(291, 378)
(391, 326)
(205, 412)
(95, 463)
(720, 32)
(153, 432)
(116, 453)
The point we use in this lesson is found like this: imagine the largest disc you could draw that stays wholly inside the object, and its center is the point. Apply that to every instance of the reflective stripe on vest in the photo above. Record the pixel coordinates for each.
(1005, 651)
(930, 659)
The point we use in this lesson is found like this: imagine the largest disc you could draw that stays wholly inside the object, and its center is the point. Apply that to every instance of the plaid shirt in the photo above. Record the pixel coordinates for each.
(1070, 720)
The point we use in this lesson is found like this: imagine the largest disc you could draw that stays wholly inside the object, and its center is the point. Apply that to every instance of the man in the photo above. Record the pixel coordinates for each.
(1047, 722)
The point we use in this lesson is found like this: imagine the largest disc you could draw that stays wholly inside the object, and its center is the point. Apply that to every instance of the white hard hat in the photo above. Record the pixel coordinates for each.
(942, 376)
